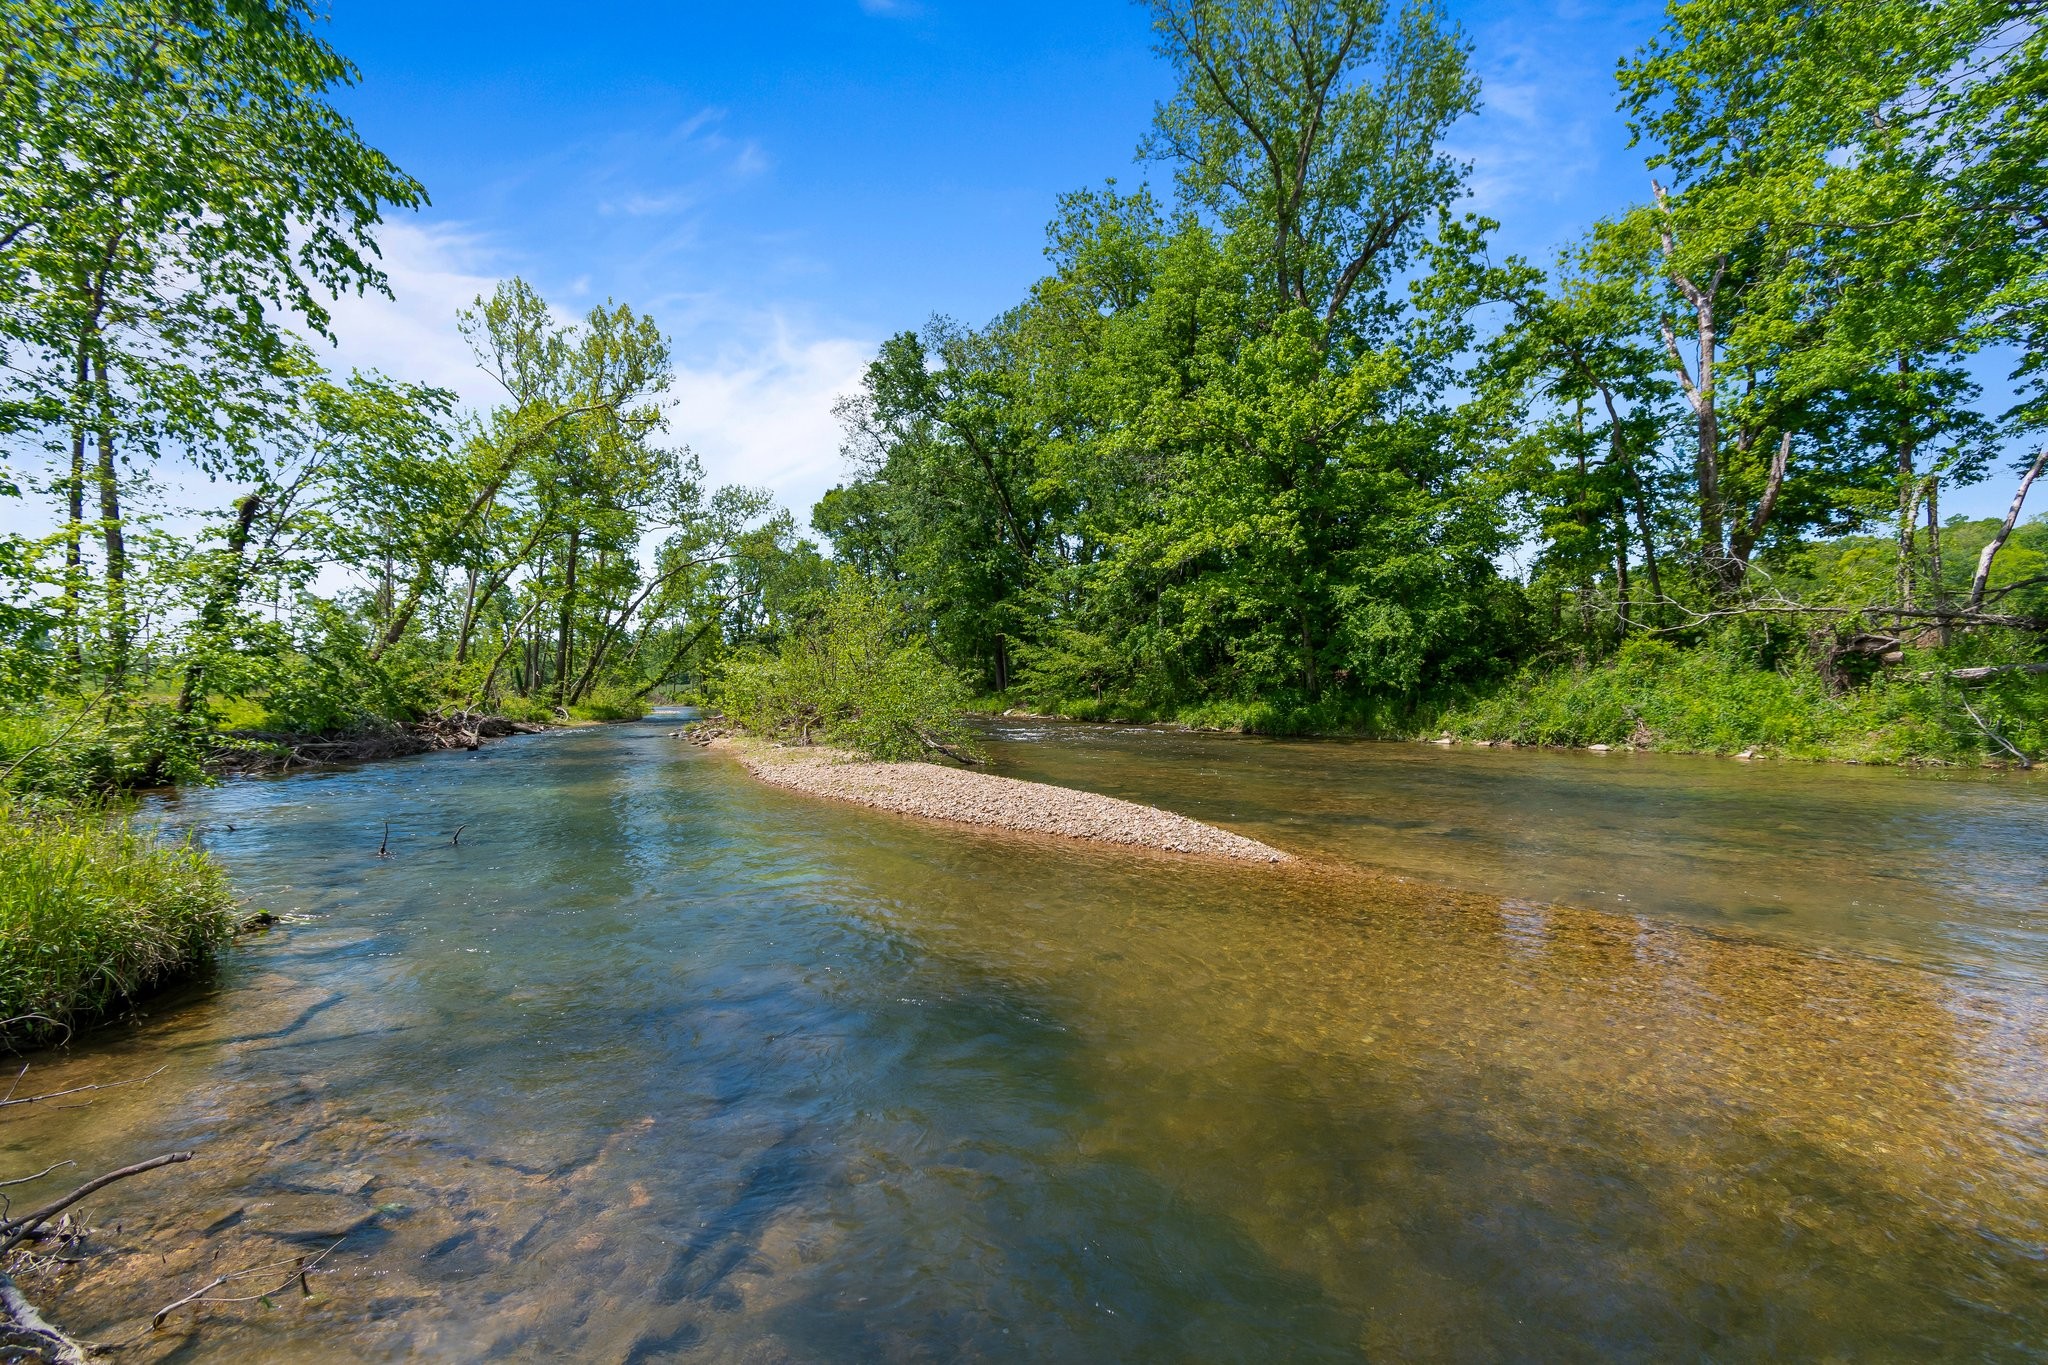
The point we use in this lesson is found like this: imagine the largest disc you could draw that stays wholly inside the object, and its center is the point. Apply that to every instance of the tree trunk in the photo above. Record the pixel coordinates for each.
(565, 641)
(1746, 534)
(513, 637)
(1937, 571)
(74, 524)
(681, 651)
(1621, 568)
(222, 597)
(116, 543)
(1643, 524)
(1707, 460)
(468, 621)
(1909, 508)
(2012, 515)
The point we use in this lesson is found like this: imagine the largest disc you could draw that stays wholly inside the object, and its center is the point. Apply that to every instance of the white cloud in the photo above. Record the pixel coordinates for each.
(753, 390)
(435, 272)
(760, 412)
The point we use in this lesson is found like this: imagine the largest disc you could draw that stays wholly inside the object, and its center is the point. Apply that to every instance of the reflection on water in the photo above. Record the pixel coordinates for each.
(1945, 868)
(662, 1063)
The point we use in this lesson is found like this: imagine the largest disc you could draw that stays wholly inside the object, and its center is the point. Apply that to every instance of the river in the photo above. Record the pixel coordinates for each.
(1535, 1055)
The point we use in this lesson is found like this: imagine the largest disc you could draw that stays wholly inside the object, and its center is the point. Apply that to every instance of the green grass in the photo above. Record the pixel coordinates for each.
(1702, 700)
(95, 911)
(1658, 696)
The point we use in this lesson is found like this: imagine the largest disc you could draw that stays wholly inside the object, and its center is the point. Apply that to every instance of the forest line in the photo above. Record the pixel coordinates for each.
(1288, 449)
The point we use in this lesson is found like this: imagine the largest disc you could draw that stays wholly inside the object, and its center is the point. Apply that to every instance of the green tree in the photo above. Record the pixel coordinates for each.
(174, 189)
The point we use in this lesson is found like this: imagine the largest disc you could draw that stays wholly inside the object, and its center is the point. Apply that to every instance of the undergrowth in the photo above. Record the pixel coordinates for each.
(1656, 695)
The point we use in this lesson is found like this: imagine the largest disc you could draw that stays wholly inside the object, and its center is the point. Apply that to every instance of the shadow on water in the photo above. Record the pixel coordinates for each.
(663, 1064)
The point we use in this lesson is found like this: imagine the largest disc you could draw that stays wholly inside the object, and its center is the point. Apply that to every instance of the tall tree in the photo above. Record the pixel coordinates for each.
(176, 189)
(1315, 129)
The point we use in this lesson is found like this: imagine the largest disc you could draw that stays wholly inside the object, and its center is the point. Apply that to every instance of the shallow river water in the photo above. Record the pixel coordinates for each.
(1535, 1056)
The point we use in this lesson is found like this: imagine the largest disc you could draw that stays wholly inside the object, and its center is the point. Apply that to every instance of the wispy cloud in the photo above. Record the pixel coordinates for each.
(435, 272)
(753, 390)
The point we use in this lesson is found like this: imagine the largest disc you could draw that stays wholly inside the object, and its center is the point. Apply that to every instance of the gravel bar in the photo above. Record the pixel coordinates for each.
(971, 798)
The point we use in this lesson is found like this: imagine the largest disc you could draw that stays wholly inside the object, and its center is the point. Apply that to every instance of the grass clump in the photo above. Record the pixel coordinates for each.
(95, 911)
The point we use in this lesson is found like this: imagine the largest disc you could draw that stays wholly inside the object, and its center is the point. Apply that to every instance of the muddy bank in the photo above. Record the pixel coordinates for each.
(972, 798)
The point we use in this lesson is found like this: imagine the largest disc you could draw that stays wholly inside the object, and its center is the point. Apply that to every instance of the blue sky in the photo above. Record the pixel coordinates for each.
(784, 184)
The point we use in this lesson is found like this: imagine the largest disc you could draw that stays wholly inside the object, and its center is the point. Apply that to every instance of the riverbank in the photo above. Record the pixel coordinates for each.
(964, 797)
(1654, 697)
(95, 912)
(264, 751)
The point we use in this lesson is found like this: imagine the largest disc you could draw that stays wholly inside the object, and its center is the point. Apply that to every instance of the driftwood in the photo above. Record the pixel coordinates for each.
(2012, 516)
(964, 760)
(11, 1099)
(298, 1266)
(260, 751)
(2000, 740)
(23, 1328)
(1986, 671)
(13, 1230)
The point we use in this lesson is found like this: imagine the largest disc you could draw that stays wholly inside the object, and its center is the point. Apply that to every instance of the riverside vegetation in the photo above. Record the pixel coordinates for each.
(1263, 455)
(1291, 451)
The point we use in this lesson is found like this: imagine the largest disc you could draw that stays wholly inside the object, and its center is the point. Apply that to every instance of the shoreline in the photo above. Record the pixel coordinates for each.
(1759, 752)
(258, 752)
(964, 797)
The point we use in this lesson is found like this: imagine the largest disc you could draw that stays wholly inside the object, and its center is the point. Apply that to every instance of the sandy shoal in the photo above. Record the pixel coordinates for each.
(975, 798)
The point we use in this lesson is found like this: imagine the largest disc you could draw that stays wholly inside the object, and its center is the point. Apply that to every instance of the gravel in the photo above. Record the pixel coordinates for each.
(972, 798)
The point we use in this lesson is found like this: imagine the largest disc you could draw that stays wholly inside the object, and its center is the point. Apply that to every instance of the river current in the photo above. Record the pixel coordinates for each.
(1536, 1055)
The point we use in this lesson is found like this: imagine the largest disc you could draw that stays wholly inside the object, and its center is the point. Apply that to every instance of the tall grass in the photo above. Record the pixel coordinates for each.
(1705, 700)
(95, 911)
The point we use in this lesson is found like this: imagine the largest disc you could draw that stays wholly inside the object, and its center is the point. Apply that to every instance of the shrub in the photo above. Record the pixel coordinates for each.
(94, 911)
(851, 671)
(1713, 698)
(76, 752)
(610, 703)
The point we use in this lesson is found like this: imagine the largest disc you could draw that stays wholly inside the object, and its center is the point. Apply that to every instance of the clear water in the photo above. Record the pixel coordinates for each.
(1944, 868)
(661, 1063)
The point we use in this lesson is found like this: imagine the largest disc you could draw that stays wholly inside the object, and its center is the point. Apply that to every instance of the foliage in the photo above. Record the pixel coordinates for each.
(1297, 453)
(849, 670)
(1291, 451)
(74, 751)
(611, 703)
(94, 911)
(1716, 698)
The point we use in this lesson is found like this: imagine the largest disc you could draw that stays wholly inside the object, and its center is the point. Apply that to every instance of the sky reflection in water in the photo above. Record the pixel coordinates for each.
(661, 1063)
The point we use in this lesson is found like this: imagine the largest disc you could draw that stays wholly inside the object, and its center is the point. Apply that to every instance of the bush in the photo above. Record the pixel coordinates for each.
(55, 751)
(610, 703)
(94, 911)
(333, 686)
(853, 672)
(1714, 698)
